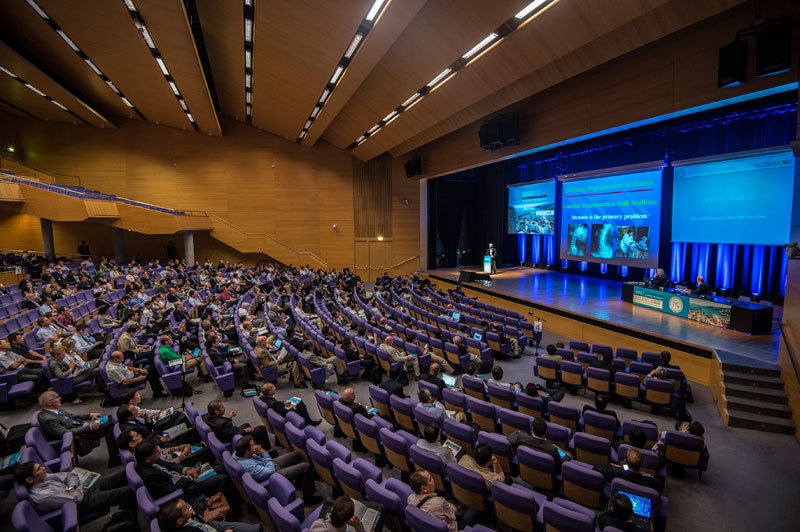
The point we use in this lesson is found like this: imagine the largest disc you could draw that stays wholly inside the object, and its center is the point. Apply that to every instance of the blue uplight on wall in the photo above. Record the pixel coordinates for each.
(521, 247)
(603, 267)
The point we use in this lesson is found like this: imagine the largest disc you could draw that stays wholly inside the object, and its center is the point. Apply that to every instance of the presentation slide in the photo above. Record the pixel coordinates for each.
(736, 200)
(613, 219)
(532, 208)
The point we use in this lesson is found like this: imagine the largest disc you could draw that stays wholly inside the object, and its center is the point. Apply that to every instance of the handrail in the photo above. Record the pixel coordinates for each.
(35, 252)
(387, 268)
(287, 246)
(789, 350)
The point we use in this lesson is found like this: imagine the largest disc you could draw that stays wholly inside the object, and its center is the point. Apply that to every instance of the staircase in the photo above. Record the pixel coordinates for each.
(751, 395)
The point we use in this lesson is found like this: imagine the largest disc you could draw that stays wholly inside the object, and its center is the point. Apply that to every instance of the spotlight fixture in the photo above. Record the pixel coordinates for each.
(249, 19)
(75, 48)
(369, 21)
(528, 13)
(139, 22)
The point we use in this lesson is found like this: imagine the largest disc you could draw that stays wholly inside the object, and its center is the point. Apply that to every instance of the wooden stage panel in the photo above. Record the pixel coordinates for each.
(590, 309)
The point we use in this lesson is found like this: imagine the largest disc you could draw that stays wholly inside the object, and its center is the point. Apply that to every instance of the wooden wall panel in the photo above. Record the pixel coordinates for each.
(19, 230)
(405, 220)
(372, 197)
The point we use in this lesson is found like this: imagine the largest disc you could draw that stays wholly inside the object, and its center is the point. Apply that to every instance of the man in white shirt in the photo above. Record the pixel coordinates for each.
(30, 368)
(118, 372)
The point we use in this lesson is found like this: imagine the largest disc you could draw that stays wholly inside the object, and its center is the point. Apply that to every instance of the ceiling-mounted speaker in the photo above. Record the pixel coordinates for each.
(499, 132)
(732, 64)
(414, 167)
(774, 48)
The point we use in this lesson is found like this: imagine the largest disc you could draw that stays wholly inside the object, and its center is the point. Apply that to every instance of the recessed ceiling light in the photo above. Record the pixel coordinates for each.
(113, 87)
(38, 9)
(61, 106)
(478, 47)
(374, 10)
(361, 139)
(374, 128)
(302, 134)
(315, 111)
(439, 78)
(411, 100)
(162, 66)
(324, 96)
(130, 5)
(190, 117)
(308, 125)
(336, 74)
(248, 58)
(68, 40)
(93, 66)
(34, 89)
(174, 88)
(183, 104)
(248, 97)
(146, 35)
(248, 30)
(353, 45)
(389, 116)
(530, 7)
(248, 79)
(128, 103)
(8, 72)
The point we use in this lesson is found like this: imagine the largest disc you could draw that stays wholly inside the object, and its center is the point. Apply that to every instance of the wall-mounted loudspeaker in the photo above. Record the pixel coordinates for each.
(414, 167)
(774, 48)
(499, 132)
(732, 64)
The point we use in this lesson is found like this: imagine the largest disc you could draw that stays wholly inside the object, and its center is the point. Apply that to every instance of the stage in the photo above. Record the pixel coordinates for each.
(597, 302)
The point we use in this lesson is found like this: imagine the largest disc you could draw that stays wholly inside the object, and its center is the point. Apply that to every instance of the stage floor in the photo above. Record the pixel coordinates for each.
(600, 299)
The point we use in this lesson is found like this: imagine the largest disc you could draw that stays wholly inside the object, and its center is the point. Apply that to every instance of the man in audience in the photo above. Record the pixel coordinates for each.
(411, 362)
(342, 517)
(46, 331)
(162, 478)
(426, 499)
(391, 382)
(316, 359)
(537, 442)
(50, 491)
(606, 362)
(118, 372)
(256, 461)
(282, 408)
(86, 343)
(129, 439)
(268, 355)
(633, 473)
(86, 428)
(433, 376)
(168, 355)
(348, 399)
(619, 516)
(80, 372)
(600, 404)
(159, 419)
(462, 352)
(486, 464)
(224, 428)
(428, 403)
(551, 353)
(636, 438)
(128, 345)
(129, 419)
(176, 515)
(241, 369)
(28, 362)
(497, 378)
(430, 442)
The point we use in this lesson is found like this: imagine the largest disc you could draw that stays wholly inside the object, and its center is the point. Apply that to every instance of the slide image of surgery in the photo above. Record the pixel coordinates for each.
(603, 240)
(577, 236)
(532, 219)
(634, 242)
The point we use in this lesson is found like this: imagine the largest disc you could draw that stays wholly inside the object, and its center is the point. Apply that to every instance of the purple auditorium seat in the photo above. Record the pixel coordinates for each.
(392, 494)
(546, 369)
(511, 421)
(25, 519)
(322, 456)
(564, 415)
(344, 419)
(652, 463)
(258, 496)
(599, 381)
(148, 506)
(600, 425)
(435, 392)
(686, 450)
(353, 475)
(278, 423)
(650, 357)
(627, 386)
(501, 448)
(592, 450)
(517, 506)
(468, 487)
(659, 505)
(280, 488)
(576, 345)
(602, 349)
(493, 341)
(454, 400)
(325, 406)
(260, 407)
(483, 413)
(640, 369)
(423, 418)
(10, 392)
(585, 359)
(659, 392)
(537, 469)
(461, 434)
(369, 432)
(530, 406)
(396, 448)
(627, 355)
(474, 387)
(431, 463)
(566, 354)
(403, 410)
(566, 516)
(290, 518)
(502, 396)
(582, 484)
(216, 446)
(420, 521)
(50, 457)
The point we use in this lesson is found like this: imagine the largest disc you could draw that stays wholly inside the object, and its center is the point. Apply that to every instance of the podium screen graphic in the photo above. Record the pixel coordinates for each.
(735, 200)
(613, 218)
(531, 208)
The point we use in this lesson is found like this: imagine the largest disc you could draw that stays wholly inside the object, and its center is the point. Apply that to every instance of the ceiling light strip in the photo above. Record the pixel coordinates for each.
(249, 35)
(377, 8)
(528, 13)
(35, 90)
(75, 48)
(141, 27)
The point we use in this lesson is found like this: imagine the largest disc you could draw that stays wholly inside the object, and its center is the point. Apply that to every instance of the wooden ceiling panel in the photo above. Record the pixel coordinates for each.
(168, 25)
(14, 93)
(104, 30)
(20, 24)
(440, 33)
(23, 69)
(395, 18)
(223, 32)
(295, 52)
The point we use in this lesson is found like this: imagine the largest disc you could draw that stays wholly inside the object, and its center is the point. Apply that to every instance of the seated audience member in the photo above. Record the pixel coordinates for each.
(619, 516)
(61, 366)
(85, 343)
(695, 428)
(348, 399)
(658, 373)
(268, 355)
(129, 439)
(256, 461)
(129, 419)
(636, 438)
(430, 442)
(551, 353)
(176, 515)
(316, 359)
(537, 442)
(411, 362)
(428, 403)
(666, 358)
(391, 382)
(505, 339)
(606, 362)
(486, 464)
(14, 354)
(162, 478)
(600, 404)
(352, 354)
(190, 361)
(104, 319)
(426, 499)
(118, 372)
(282, 408)
(159, 421)
(130, 347)
(47, 332)
(472, 371)
(535, 390)
(55, 422)
(634, 472)
(343, 515)
(462, 351)
(433, 376)
(50, 491)
(497, 378)
(241, 368)
(224, 428)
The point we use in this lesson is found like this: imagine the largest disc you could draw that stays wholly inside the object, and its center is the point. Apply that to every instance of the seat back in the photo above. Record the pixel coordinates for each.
(483, 414)
(468, 487)
(396, 449)
(571, 373)
(511, 421)
(284, 520)
(598, 380)
(560, 518)
(682, 448)
(600, 425)
(582, 484)
(627, 385)
(368, 434)
(403, 410)
(421, 521)
(460, 434)
(474, 387)
(547, 368)
(564, 415)
(501, 396)
(658, 392)
(537, 468)
(432, 463)
(515, 506)
(25, 519)
(530, 406)
(592, 450)
(454, 400)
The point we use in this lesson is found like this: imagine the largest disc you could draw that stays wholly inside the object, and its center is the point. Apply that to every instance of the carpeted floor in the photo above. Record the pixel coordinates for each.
(751, 485)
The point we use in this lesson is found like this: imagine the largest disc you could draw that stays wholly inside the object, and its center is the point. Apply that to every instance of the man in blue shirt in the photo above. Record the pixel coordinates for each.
(257, 462)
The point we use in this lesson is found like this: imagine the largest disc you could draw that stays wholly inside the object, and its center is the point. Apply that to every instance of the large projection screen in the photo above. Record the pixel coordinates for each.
(743, 198)
(612, 216)
(531, 208)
